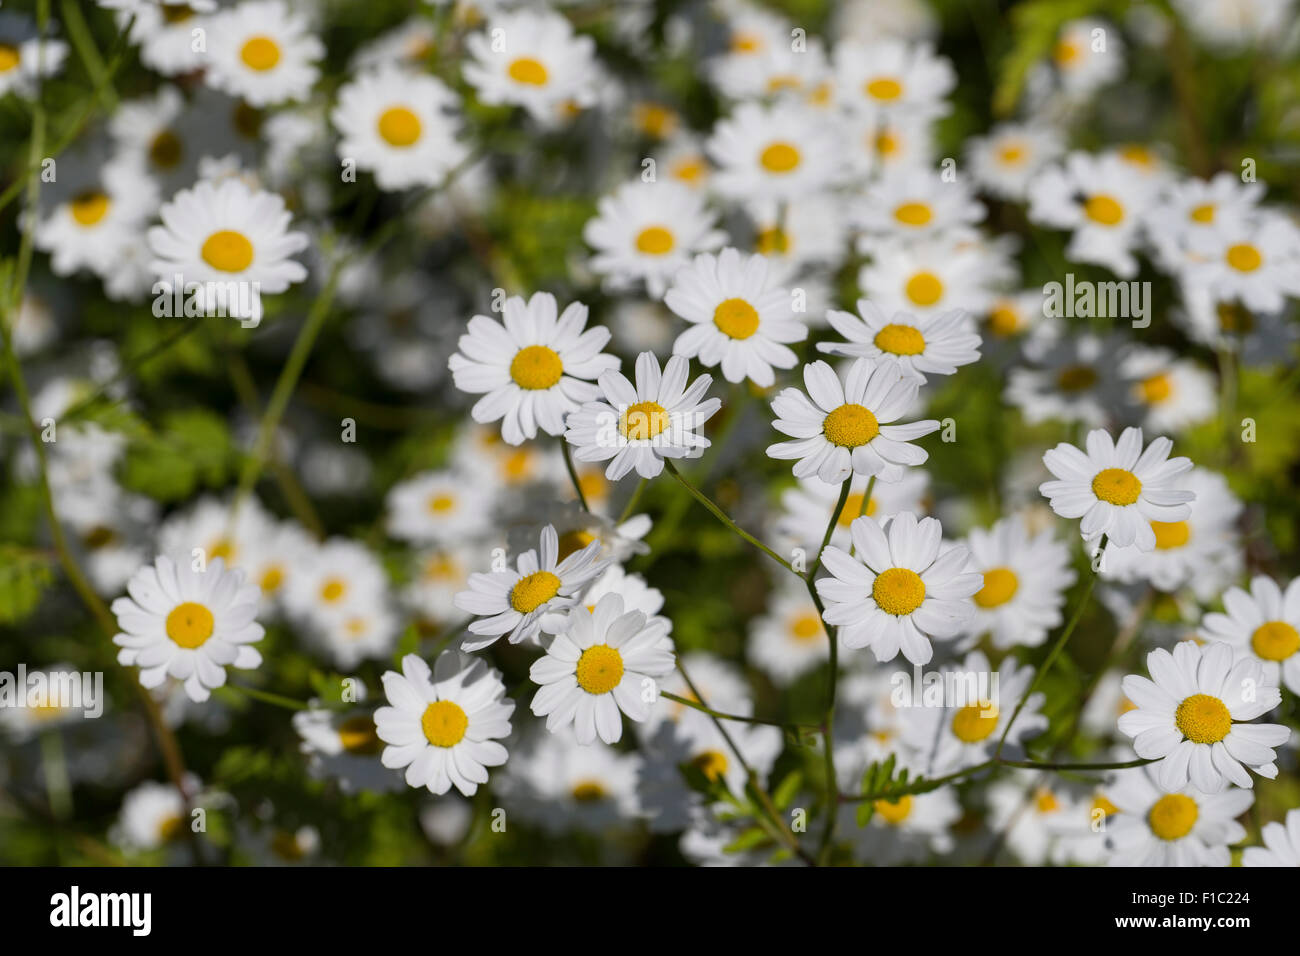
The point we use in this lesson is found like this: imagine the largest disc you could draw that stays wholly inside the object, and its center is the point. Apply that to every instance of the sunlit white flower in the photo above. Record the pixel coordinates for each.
(1256, 262)
(907, 830)
(1183, 827)
(263, 52)
(602, 667)
(1264, 625)
(559, 785)
(915, 203)
(638, 427)
(913, 346)
(899, 589)
(784, 152)
(1193, 716)
(165, 33)
(26, 60)
(97, 209)
(438, 506)
(188, 624)
(929, 277)
(1004, 161)
(789, 639)
(443, 727)
(1173, 394)
(843, 428)
(152, 816)
(892, 76)
(1118, 488)
(1088, 54)
(1193, 209)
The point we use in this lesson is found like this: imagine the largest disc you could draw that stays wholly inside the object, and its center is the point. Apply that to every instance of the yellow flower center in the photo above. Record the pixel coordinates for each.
(189, 624)
(655, 241)
(925, 288)
(333, 590)
(536, 367)
(746, 43)
(571, 542)
(358, 736)
(655, 120)
(773, 241)
(89, 208)
(588, 791)
(894, 812)
(785, 81)
(1100, 802)
(444, 723)
(441, 568)
(169, 828)
(271, 580)
(1065, 53)
(9, 57)
(690, 170)
(600, 668)
(850, 426)
(900, 339)
(1012, 154)
(227, 251)
(399, 126)
(1203, 719)
(1244, 257)
(1076, 378)
(913, 213)
(1004, 320)
(534, 590)
(853, 509)
(712, 763)
(884, 88)
(1173, 816)
(643, 421)
(441, 503)
(806, 627)
(1203, 213)
(779, 158)
(736, 318)
(260, 53)
(1000, 586)
(1117, 486)
(975, 722)
(166, 150)
(1045, 801)
(898, 591)
(886, 143)
(1275, 640)
(528, 71)
(1105, 210)
(1157, 388)
(1171, 534)
(1139, 155)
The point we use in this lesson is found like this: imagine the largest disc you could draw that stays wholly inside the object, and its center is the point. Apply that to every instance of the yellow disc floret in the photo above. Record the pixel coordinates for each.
(444, 723)
(536, 367)
(850, 426)
(1116, 485)
(1203, 719)
(189, 624)
(600, 668)
(898, 591)
(532, 591)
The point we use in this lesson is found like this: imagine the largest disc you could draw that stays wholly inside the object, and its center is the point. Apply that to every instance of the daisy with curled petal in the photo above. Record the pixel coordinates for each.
(398, 124)
(188, 624)
(1264, 625)
(444, 727)
(637, 428)
(532, 597)
(738, 319)
(263, 52)
(225, 236)
(1192, 717)
(934, 344)
(898, 589)
(1185, 827)
(1117, 488)
(647, 232)
(1025, 577)
(606, 664)
(1281, 844)
(532, 367)
(840, 429)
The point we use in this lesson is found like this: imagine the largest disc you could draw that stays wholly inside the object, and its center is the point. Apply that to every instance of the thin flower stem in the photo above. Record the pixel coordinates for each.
(695, 705)
(722, 516)
(830, 527)
(573, 474)
(1053, 654)
(631, 502)
(1052, 765)
(923, 785)
(279, 700)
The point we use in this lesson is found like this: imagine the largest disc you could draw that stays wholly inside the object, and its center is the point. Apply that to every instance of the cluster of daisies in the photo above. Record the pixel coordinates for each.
(788, 291)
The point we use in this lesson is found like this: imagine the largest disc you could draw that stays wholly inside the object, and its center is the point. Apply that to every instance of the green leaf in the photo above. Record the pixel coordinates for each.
(193, 449)
(24, 576)
(747, 840)
(788, 789)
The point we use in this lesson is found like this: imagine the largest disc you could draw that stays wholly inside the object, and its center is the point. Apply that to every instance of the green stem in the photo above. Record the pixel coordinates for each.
(279, 700)
(722, 516)
(81, 38)
(631, 502)
(695, 705)
(573, 474)
(830, 528)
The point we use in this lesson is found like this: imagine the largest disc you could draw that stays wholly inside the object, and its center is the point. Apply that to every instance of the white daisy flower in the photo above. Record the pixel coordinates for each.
(883, 145)
(784, 151)
(606, 664)
(226, 237)
(1074, 378)
(1263, 625)
(913, 203)
(789, 640)
(1015, 314)
(559, 785)
(344, 745)
(1233, 25)
(910, 829)
(1281, 844)
(914, 346)
(188, 624)
(929, 277)
(26, 60)
(533, 59)
(262, 52)
(1193, 209)
(398, 124)
(438, 506)
(535, 365)
(1202, 553)
(645, 232)
(638, 427)
(776, 71)
(440, 574)
(165, 33)
(1025, 574)
(358, 633)
(1088, 54)
(1185, 827)
(533, 597)
(1256, 262)
(1192, 716)
(739, 321)
(1005, 161)
(152, 816)
(1033, 815)
(335, 580)
(1118, 488)
(806, 508)
(809, 232)
(1101, 201)
(443, 726)
(892, 76)
(842, 428)
(1172, 394)
(899, 589)
(967, 729)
